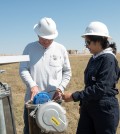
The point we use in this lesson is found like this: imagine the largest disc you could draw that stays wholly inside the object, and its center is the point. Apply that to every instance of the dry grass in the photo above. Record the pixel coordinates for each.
(11, 76)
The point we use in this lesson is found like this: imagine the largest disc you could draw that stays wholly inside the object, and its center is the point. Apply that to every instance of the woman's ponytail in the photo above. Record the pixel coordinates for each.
(113, 46)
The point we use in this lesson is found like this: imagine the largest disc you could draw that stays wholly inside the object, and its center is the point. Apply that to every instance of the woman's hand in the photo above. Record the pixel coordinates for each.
(34, 91)
(67, 97)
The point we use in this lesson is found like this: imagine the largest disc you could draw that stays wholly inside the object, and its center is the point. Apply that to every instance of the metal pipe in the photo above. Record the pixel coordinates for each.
(2, 119)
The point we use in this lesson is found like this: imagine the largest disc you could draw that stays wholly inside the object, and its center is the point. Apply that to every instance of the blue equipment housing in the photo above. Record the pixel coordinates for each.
(41, 98)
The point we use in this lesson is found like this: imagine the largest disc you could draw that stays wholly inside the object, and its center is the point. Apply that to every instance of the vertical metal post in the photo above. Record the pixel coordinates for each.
(2, 119)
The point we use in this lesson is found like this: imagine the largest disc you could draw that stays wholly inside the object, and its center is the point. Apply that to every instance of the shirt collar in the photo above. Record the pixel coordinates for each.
(107, 50)
(44, 47)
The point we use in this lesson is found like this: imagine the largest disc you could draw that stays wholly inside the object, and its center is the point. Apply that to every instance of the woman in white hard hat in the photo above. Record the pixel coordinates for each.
(99, 111)
(49, 67)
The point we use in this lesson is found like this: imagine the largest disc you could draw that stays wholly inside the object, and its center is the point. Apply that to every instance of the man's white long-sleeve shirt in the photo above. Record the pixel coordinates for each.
(48, 68)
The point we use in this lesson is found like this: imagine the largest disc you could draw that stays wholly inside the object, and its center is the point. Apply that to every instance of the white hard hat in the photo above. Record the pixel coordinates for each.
(46, 28)
(97, 28)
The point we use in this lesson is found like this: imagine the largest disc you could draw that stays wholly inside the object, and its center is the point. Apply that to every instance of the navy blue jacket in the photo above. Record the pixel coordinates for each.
(100, 77)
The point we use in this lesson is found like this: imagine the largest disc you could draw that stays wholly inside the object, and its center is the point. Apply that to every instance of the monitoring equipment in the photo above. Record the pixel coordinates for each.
(49, 116)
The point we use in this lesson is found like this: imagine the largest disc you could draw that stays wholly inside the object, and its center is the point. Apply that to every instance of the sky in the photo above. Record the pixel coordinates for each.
(17, 18)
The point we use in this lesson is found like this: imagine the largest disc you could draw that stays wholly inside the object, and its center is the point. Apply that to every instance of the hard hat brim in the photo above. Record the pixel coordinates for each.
(95, 34)
(38, 32)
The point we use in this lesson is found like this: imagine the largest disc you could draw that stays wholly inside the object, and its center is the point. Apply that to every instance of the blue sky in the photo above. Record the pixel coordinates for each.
(17, 19)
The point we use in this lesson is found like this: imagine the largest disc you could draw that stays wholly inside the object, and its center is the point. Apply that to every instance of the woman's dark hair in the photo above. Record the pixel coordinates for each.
(104, 42)
(113, 46)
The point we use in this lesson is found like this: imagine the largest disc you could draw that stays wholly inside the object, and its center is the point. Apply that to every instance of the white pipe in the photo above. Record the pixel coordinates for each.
(13, 59)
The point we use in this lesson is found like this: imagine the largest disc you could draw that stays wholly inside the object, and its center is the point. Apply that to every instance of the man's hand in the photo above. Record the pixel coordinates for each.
(58, 95)
(34, 91)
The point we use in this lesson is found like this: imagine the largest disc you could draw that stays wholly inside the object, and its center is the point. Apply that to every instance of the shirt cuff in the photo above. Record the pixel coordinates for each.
(77, 96)
(61, 88)
(33, 84)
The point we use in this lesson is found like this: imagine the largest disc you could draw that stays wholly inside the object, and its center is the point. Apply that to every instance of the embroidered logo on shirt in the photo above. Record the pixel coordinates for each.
(54, 57)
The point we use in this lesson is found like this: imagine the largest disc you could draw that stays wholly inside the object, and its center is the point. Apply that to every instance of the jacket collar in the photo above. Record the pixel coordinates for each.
(107, 50)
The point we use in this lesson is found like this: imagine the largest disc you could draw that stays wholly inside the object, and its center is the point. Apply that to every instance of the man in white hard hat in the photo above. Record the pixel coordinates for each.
(49, 67)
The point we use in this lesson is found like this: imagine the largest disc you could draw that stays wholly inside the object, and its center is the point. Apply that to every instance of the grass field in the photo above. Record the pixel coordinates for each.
(78, 64)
